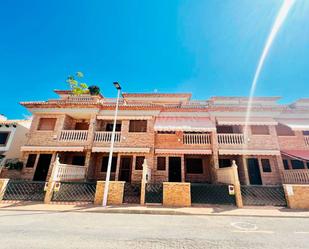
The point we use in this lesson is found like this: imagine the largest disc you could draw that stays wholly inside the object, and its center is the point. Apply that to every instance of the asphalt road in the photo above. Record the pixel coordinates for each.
(96, 230)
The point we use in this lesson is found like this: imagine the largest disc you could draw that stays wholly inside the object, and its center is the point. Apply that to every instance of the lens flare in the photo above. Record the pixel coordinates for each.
(282, 15)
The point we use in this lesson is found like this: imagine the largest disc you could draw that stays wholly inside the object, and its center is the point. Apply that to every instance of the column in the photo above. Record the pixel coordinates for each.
(183, 177)
(215, 157)
(117, 167)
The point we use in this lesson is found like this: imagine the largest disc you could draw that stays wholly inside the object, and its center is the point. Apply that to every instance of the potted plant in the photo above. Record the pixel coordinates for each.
(94, 90)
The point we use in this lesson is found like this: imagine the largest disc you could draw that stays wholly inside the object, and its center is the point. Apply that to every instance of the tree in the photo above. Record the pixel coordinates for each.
(77, 87)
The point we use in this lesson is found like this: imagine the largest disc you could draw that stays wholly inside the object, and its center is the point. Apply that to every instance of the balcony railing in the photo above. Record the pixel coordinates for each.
(231, 139)
(296, 176)
(196, 138)
(307, 140)
(106, 136)
(73, 135)
(67, 172)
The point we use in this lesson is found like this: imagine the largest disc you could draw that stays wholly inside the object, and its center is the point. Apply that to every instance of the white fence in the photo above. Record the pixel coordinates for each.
(73, 135)
(67, 172)
(231, 138)
(106, 136)
(196, 138)
(296, 176)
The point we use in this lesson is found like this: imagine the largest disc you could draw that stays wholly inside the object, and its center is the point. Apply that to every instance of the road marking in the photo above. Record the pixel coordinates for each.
(252, 231)
(244, 226)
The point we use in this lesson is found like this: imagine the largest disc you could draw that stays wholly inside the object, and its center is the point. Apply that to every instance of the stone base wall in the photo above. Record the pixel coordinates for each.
(297, 196)
(115, 193)
(176, 194)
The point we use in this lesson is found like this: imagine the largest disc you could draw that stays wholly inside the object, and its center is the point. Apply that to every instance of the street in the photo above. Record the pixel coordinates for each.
(29, 229)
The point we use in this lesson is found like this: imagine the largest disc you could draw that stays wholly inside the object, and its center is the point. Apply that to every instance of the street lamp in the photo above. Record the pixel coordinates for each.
(110, 158)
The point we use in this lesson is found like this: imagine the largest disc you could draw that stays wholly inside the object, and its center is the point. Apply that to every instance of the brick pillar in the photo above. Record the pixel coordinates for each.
(215, 157)
(117, 167)
(183, 177)
(91, 130)
(237, 189)
(87, 162)
(280, 167)
(3, 184)
(245, 167)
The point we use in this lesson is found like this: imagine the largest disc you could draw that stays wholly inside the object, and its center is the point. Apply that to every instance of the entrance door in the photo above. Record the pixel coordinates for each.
(254, 171)
(125, 169)
(174, 169)
(42, 167)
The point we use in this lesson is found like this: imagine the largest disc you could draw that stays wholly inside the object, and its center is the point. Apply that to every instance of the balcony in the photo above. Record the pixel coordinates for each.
(67, 172)
(196, 138)
(73, 135)
(106, 136)
(231, 139)
(306, 140)
(296, 176)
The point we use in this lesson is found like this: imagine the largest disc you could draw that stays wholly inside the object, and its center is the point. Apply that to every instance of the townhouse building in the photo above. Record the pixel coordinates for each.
(183, 140)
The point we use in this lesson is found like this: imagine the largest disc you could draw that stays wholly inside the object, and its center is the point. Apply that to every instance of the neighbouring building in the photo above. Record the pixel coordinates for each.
(182, 139)
(12, 137)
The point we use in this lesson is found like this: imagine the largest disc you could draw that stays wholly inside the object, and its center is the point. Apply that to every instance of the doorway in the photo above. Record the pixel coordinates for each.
(254, 171)
(174, 169)
(125, 169)
(42, 167)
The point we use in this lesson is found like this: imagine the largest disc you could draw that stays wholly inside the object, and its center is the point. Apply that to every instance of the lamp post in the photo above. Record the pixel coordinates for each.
(110, 158)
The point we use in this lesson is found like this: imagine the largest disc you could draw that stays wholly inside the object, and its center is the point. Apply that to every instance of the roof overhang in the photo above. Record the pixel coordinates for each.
(249, 152)
(121, 149)
(296, 124)
(243, 121)
(183, 151)
(297, 154)
(190, 124)
(52, 148)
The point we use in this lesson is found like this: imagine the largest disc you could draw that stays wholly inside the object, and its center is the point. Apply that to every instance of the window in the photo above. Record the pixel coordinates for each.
(308, 165)
(78, 160)
(283, 130)
(4, 138)
(139, 162)
(260, 130)
(166, 132)
(105, 164)
(285, 164)
(224, 163)
(226, 129)
(266, 165)
(47, 124)
(297, 164)
(81, 126)
(306, 133)
(109, 127)
(194, 165)
(161, 163)
(31, 161)
(138, 126)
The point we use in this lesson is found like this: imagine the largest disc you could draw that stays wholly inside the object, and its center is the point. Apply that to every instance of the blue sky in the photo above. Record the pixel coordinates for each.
(207, 47)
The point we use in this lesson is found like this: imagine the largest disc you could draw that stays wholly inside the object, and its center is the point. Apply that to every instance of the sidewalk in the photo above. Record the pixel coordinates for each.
(279, 212)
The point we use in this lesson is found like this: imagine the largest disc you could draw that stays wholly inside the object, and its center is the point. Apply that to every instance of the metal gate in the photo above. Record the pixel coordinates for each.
(24, 191)
(263, 195)
(132, 193)
(75, 191)
(154, 193)
(211, 194)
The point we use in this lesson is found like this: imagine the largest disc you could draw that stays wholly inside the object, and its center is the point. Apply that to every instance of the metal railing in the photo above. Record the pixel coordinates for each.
(82, 98)
(154, 193)
(231, 139)
(67, 172)
(75, 191)
(196, 138)
(106, 136)
(73, 135)
(263, 195)
(296, 176)
(21, 190)
(306, 140)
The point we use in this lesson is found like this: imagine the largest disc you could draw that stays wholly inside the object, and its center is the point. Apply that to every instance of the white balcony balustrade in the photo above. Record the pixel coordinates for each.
(296, 176)
(73, 135)
(67, 172)
(307, 140)
(106, 136)
(196, 138)
(231, 139)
